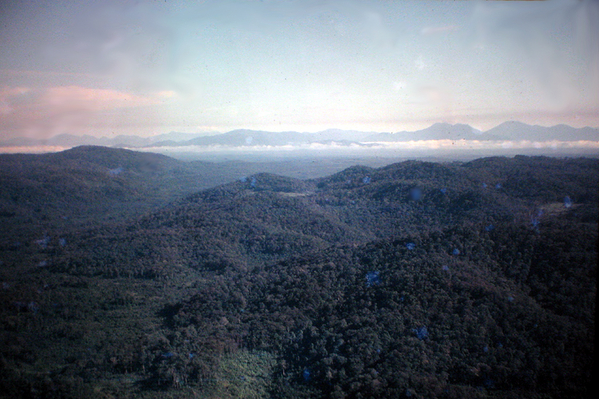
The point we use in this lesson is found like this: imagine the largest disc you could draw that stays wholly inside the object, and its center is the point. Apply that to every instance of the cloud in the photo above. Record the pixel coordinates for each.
(418, 148)
(69, 109)
(431, 30)
(399, 85)
(74, 97)
(379, 33)
(547, 39)
(166, 94)
(9, 94)
(419, 63)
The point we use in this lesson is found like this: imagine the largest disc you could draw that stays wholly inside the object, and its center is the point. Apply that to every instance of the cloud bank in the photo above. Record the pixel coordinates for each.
(45, 112)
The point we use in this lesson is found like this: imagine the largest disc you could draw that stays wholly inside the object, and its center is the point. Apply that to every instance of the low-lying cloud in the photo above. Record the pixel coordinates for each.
(456, 149)
(408, 149)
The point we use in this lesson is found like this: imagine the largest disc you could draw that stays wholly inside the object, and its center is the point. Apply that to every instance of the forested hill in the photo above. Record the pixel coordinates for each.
(266, 217)
(417, 279)
(91, 185)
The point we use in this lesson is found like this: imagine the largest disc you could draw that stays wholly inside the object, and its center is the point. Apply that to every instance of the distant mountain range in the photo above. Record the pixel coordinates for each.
(508, 131)
(122, 141)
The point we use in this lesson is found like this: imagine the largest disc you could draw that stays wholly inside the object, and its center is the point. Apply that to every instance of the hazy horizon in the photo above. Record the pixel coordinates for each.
(203, 133)
(439, 141)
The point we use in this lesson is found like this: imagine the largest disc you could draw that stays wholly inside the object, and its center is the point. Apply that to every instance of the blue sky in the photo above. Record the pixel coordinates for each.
(148, 67)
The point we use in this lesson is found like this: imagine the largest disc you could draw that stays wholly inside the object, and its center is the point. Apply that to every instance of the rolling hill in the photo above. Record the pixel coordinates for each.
(88, 185)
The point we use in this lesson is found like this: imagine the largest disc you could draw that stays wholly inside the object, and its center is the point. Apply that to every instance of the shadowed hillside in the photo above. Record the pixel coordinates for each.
(91, 185)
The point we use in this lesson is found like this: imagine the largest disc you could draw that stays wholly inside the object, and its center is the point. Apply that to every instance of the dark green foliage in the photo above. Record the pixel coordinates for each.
(411, 280)
(483, 329)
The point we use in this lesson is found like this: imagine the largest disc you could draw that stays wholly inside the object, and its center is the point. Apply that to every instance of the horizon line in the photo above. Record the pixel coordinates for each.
(218, 132)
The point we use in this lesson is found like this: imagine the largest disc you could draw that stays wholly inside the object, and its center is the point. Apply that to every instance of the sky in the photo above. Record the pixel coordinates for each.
(150, 67)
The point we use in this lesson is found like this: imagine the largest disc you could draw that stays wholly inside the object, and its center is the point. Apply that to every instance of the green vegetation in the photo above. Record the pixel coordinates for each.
(422, 280)
(242, 374)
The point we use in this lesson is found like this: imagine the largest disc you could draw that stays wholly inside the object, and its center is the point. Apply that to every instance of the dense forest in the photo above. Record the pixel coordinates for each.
(128, 277)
